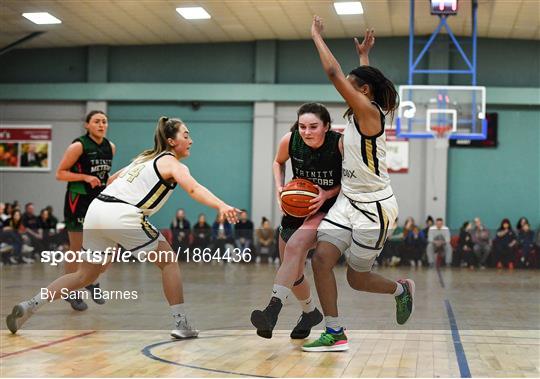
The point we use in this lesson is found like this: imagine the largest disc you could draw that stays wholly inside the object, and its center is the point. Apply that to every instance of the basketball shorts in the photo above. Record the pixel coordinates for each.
(75, 207)
(113, 223)
(359, 230)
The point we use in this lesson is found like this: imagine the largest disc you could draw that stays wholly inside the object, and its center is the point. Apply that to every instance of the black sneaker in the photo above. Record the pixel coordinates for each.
(77, 304)
(266, 320)
(305, 323)
(91, 288)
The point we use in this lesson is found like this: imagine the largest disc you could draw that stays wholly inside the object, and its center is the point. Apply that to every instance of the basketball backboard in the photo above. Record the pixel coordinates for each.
(426, 110)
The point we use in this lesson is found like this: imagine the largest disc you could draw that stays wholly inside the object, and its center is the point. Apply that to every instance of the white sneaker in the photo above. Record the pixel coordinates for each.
(27, 249)
(276, 261)
(28, 260)
(258, 260)
(13, 261)
(20, 313)
(183, 328)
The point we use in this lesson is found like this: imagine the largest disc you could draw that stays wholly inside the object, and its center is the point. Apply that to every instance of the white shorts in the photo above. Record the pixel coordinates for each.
(359, 230)
(108, 224)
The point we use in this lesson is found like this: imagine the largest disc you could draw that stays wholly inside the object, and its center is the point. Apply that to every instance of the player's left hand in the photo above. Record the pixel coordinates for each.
(367, 43)
(230, 213)
(318, 201)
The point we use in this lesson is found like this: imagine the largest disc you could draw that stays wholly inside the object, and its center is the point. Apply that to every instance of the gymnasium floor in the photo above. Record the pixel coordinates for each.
(480, 323)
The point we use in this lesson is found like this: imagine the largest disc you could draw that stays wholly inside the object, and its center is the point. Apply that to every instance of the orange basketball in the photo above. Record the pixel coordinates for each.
(296, 195)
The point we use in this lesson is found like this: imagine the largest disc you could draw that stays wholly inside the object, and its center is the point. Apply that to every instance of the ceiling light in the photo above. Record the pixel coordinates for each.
(193, 13)
(351, 7)
(42, 18)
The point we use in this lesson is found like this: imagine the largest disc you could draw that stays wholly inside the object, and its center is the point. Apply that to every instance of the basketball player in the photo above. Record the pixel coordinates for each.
(366, 209)
(119, 216)
(85, 166)
(314, 151)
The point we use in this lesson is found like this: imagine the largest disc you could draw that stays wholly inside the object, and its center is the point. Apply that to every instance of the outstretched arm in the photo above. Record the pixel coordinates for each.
(365, 113)
(200, 193)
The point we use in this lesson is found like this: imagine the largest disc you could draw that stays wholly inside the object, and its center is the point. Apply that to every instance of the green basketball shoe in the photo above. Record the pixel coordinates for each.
(405, 302)
(328, 342)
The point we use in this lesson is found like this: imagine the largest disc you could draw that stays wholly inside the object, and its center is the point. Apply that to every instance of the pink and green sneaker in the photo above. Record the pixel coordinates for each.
(328, 342)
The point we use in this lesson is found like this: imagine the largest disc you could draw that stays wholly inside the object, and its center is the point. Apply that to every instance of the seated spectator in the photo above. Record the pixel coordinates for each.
(481, 242)
(243, 232)
(522, 221)
(413, 243)
(52, 217)
(181, 231)
(526, 246)
(265, 241)
(202, 233)
(3, 215)
(14, 232)
(47, 229)
(465, 249)
(439, 242)
(429, 223)
(222, 234)
(504, 244)
(31, 225)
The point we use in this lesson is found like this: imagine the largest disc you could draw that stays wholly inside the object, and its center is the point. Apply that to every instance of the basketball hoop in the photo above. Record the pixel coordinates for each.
(441, 131)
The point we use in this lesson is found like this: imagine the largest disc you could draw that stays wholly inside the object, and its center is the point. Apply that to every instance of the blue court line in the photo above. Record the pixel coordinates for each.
(147, 351)
(458, 347)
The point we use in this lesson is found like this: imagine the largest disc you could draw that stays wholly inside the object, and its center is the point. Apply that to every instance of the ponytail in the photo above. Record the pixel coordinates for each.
(166, 128)
(382, 88)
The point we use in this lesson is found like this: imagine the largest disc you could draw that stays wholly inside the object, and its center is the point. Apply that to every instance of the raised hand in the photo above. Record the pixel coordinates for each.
(317, 26)
(367, 43)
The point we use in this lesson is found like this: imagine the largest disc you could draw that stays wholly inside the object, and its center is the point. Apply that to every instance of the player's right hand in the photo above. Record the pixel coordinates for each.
(230, 213)
(279, 190)
(92, 180)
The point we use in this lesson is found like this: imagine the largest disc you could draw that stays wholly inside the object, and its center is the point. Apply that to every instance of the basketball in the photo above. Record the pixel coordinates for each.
(296, 195)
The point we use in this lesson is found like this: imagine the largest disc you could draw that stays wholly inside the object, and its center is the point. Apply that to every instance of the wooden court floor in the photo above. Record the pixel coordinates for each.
(481, 323)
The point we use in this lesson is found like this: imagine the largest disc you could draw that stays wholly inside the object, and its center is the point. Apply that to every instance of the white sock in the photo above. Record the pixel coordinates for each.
(281, 292)
(308, 304)
(178, 310)
(37, 302)
(399, 289)
(332, 323)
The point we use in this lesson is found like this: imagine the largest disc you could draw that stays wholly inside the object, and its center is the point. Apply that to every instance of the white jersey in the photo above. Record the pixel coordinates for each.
(141, 185)
(365, 176)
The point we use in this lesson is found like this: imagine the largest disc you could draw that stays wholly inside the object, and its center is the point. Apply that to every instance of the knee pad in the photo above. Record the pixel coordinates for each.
(299, 281)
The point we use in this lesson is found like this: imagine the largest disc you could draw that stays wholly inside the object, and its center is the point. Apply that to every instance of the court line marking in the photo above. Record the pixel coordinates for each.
(37, 347)
(147, 351)
(458, 346)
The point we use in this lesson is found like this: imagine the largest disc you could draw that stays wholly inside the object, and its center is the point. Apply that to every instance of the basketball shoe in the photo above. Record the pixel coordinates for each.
(405, 301)
(183, 328)
(266, 320)
(19, 315)
(305, 323)
(328, 342)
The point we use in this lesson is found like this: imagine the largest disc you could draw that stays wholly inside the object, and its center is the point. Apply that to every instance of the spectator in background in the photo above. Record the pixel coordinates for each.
(526, 245)
(3, 216)
(537, 240)
(201, 233)
(481, 242)
(465, 249)
(243, 231)
(47, 229)
(181, 231)
(8, 211)
(503, 245)
(413, 243)
(15, 231)
(439, 242)
(31, 224)
(265, 241)
(222, 234)
(522, 221)
(53, 220)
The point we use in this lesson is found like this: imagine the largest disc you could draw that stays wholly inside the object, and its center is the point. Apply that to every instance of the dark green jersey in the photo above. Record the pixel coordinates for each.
(96, 160)
(322, 166)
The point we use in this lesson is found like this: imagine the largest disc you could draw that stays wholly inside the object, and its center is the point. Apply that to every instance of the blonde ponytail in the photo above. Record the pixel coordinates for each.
(166, 128)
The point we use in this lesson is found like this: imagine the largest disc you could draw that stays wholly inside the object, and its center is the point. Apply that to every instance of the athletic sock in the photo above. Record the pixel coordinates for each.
(308, 304)
(332, 325)
(399, 289)
(37, 302)
(281, 292)
(178, 310)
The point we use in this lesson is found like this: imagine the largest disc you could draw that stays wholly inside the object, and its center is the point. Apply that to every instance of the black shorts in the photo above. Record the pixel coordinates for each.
(75, 207)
